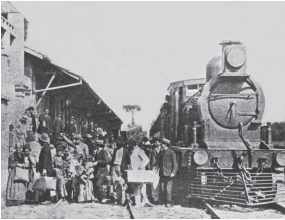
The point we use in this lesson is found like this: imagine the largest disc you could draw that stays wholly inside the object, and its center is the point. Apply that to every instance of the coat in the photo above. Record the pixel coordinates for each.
(103, 159)
(57, 126)
(125, 158)
(45, 125)
(71, 129)
(167, 163)
(153, 157)
(45, 159)
(84, 130)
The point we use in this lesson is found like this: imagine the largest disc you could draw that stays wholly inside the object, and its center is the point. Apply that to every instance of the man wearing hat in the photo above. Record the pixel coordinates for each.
(119, 165)
(112, 144)
(78, 145)
(85, 128)
(154, 153)
(57, 126)
(45, 162)
(168, 166)
(71, 128)
(138, 160)
(101, 171)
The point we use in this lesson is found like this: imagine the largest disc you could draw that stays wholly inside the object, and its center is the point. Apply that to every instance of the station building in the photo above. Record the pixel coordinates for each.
(29, 78)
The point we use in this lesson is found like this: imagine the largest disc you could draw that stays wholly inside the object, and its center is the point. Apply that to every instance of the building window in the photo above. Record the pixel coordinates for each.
(192, 87)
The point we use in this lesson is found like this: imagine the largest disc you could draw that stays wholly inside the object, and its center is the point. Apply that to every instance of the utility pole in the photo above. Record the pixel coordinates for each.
(132, 109)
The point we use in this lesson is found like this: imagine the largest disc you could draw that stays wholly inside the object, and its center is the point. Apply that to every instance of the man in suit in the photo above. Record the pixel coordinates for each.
(154, 153)
(120, 163)
(71, 128)
(168, 166)
(45, 125)
(120, 160)
(101, 171)
(85, 129)
(57, 126)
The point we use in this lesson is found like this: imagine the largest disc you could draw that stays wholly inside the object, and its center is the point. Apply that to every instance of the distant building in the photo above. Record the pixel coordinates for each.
(30, 78)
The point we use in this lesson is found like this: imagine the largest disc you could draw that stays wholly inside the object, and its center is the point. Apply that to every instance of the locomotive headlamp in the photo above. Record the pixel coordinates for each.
(236, 57)
(200, 157)
(280, 158)
(233, 59)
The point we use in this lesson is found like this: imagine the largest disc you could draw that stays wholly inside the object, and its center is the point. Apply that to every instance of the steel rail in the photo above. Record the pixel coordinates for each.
(211, 211)
(133, 212)
(54, 208)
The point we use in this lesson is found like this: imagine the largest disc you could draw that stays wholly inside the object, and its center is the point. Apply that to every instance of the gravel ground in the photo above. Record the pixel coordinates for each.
(100, 211)
(251, 214)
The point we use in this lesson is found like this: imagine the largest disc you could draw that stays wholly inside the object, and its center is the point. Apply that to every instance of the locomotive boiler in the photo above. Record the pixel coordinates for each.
(216, 134)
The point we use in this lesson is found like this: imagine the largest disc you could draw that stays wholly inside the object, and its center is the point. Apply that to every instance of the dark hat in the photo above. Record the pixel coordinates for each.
(99, 143)
(31, 108)
(101, 137)
(165, 141)
(120, 140)
(60, 147)
(145, 139)
(133, 140)
(78, 137)
(156, 139)
(44, 138)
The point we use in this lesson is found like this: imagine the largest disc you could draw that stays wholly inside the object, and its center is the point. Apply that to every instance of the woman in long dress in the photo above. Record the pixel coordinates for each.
(17, 189)
(84, 181)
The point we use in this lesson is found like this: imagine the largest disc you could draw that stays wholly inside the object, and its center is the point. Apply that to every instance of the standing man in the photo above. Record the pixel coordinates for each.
(138, 160)
(168, 166)
(119, 165)
(57, 126)
(45, 164)
(112, 144)
(154, 153)
(101, 171)
(45, 125)
(84, 130)
(71, 128)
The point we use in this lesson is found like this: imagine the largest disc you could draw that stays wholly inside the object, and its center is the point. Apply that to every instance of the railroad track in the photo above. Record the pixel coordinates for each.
(133, 212)
(215, 213)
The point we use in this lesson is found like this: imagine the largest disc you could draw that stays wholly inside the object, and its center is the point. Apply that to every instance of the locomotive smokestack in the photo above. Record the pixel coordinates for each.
(214, 68)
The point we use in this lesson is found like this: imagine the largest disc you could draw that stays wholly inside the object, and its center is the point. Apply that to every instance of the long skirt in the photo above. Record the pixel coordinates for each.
(16, 190)
(86, 192)
(60, 184)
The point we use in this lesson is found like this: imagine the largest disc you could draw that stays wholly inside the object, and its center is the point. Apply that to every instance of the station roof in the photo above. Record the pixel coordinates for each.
(186, 83)
(75, 77)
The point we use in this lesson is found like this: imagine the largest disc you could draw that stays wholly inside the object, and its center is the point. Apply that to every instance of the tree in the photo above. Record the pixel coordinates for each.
(132, 109)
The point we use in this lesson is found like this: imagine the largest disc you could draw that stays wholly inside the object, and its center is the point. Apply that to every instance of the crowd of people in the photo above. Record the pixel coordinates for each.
(83, 167)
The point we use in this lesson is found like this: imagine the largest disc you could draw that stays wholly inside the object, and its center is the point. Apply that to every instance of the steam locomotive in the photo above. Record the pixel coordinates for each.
(216, 134)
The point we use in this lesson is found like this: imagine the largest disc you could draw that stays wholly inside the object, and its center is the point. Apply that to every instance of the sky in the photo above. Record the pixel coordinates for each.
(129, 52)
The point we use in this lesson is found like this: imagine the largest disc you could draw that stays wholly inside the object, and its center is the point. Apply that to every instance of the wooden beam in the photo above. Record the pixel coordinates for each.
(45, 91)
(59, 87)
